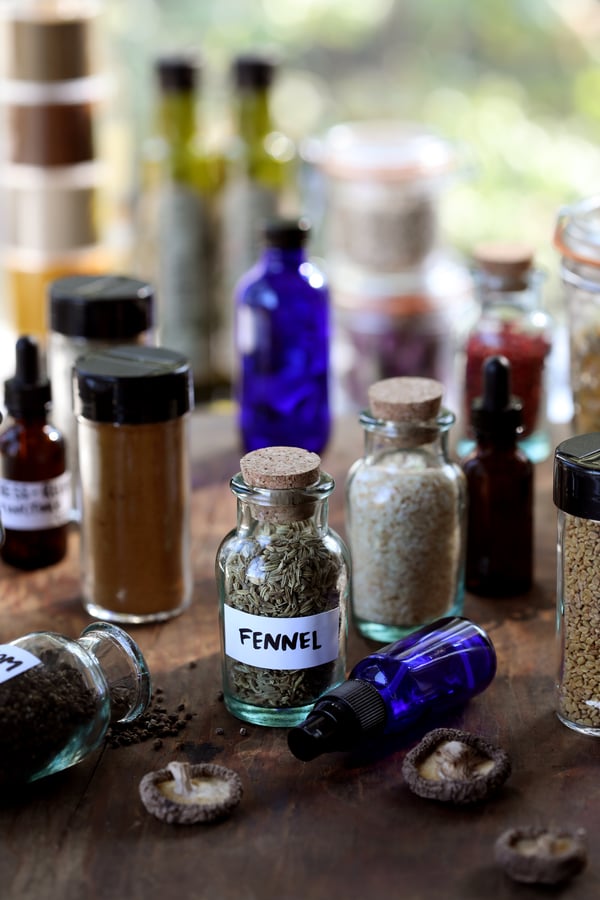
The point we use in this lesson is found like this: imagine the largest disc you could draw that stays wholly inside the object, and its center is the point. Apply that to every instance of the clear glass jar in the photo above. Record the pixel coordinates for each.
(384, 180)
(577, 498)
(283, 577)
(89, 313)
(410, 324)
(133, 408)
(577, 239)
(58, 697)
(512, 323)
(406, 512)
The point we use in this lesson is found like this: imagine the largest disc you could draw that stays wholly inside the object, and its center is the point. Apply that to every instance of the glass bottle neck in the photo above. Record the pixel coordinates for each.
(276, 258)
(494, 290)
(123, 667)
(426, 437)
(253, 115)
(177, 116)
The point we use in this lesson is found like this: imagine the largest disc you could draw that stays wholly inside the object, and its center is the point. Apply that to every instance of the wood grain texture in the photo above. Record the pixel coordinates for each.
(343, 825)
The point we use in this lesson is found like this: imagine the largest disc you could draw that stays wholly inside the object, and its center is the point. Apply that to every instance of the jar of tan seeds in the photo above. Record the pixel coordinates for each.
(577, 497)
(405, 511)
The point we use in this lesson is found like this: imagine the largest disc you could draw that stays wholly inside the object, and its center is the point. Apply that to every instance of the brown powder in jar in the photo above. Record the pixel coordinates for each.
(134, 515)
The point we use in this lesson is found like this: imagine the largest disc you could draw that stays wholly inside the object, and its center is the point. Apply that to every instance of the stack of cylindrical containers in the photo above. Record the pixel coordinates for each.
(397, 291)
(51, 178)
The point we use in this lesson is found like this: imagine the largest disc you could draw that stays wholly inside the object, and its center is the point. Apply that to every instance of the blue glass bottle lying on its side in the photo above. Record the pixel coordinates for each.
(429, 672)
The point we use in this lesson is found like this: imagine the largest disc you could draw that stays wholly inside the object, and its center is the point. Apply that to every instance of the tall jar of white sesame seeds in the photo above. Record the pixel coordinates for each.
(577, 498)
(405, 512)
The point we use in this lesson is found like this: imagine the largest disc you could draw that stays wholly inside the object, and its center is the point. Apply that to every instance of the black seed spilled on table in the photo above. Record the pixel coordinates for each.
(156, 723)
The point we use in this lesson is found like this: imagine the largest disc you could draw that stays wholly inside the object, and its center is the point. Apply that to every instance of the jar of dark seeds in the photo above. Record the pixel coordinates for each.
(58, 698)
(405, 512)
(577, 498)
(283, 580)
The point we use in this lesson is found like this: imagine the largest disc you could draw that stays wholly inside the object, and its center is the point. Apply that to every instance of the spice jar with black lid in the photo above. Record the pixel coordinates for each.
(577, 498)
(88, 313)
(133, 407)
(59, 696)
(405, 512)
(283, 577)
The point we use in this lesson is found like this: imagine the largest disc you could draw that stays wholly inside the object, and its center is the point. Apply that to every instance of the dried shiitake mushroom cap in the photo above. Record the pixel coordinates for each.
(539, 855)
(455, 767)
(183, 794)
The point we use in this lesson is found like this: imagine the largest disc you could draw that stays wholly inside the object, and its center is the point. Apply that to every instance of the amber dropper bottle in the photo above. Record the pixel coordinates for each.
(500, 491)
(34, 487)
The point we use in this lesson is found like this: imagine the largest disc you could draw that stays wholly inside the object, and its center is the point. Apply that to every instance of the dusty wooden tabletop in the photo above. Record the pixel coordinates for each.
(343, 825)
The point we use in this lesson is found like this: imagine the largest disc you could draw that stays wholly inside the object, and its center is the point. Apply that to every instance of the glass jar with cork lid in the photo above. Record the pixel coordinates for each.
(406, 512)
(283, 577)
(511, 323)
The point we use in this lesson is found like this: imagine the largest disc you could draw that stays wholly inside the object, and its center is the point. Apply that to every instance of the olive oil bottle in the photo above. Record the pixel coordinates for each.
(260, 168)
(179, 222)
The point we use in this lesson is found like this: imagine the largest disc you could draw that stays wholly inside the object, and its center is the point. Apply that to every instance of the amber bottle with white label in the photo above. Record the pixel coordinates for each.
(283, 578)
(35, 489)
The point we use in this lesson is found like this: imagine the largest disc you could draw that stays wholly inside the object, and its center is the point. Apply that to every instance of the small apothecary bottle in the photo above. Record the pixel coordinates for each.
(405, 510)
(577, 498)
(58, 697)
(283, 580)
(133, 407)
(513, 323)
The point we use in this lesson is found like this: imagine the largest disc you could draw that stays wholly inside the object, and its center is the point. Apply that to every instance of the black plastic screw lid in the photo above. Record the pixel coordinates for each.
(27, 393)
(287, 234)
(497, 412)
(576, 487)
(254, 70)
(106, 307)
(178, 71)
(133, 385)
(339, 720)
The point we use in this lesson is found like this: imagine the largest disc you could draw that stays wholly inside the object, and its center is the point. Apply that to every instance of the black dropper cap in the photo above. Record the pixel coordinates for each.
(339, 720)
(497, 413)
(27, 394)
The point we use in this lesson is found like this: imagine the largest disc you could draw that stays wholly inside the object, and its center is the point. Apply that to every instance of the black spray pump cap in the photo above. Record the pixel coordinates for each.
(339, 720)
(497, 412)
(27, 393)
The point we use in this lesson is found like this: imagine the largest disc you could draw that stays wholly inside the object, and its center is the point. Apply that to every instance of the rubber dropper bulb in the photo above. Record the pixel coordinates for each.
(497, 412)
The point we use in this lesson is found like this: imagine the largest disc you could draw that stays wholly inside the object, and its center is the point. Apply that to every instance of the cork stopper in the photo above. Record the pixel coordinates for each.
(509, 261)
(280, 468)
(406, 399)
(283, 469)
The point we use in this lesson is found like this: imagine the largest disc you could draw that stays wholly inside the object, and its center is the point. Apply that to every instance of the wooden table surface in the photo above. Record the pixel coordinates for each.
(344, 825)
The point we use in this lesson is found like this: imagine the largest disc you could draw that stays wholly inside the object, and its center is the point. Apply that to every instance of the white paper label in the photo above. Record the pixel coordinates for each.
(35, 505)
(14, 661)
(297, 643)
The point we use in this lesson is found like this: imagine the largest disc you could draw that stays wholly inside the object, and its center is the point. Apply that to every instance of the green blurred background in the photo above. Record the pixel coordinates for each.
(516, 84)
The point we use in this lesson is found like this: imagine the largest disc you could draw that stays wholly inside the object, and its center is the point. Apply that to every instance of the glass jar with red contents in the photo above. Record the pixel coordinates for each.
(511, 323)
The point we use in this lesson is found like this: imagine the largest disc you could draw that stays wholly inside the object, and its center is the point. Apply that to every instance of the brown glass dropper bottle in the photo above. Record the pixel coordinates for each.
(500, 491)
(34, 487)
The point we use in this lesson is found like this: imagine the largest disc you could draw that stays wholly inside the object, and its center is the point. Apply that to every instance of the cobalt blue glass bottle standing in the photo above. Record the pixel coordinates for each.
(282, 338)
